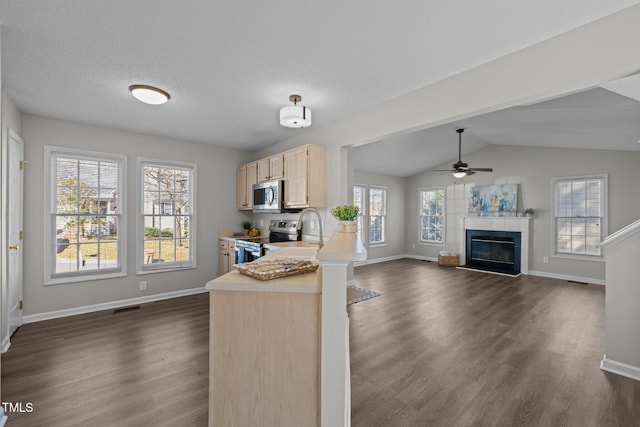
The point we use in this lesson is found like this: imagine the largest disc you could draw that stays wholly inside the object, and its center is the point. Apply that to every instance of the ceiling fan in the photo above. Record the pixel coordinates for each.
(460, 168)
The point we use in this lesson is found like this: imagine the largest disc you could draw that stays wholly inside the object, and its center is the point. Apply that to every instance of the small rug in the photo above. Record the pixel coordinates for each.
(355, 294)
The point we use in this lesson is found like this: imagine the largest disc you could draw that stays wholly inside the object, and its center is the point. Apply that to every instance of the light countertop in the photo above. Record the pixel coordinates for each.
(340, 247)
(300, 283)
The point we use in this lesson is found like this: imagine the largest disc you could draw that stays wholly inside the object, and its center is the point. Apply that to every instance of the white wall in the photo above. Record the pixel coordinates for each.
(533, 168)
(396, 214)
(216, 201)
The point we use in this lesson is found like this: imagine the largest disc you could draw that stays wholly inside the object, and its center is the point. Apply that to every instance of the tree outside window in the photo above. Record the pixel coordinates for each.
(167, 215)
(86, 215)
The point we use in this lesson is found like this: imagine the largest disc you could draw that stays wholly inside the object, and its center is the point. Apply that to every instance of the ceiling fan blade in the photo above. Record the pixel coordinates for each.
(480, 169)
(470, 172)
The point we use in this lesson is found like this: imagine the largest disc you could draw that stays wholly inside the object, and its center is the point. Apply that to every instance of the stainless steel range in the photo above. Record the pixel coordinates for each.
(280, 230)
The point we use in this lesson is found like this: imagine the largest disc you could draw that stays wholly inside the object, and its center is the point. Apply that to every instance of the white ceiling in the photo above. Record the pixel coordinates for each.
(230, 66)
(594, 119)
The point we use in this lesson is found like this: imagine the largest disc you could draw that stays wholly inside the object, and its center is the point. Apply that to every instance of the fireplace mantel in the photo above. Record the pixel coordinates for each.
(492, 223)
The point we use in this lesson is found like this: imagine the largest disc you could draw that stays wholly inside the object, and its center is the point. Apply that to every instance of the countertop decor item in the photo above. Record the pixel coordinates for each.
(346, 216)
(528, 212)
(269, 269)
(254, 232)
(246, 225)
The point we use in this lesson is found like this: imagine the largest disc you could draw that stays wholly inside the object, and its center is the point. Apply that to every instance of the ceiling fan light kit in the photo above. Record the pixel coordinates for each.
(295, 116)
(461, 169)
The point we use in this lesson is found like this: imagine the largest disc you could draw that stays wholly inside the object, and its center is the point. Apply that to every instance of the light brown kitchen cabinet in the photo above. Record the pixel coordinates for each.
(264, 359)
(227, 256)
(246, 176)
(271, 168)
(305, 174)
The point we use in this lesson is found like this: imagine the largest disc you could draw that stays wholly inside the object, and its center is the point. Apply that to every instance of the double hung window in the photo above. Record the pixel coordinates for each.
(432, 215)
(377, 215)
(84, 215)
(166, 239)
(580, 216)
(358, 201)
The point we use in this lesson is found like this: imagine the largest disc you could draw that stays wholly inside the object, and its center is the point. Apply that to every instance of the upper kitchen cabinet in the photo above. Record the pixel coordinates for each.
(247, 175)
(271, 168)
(305, 174)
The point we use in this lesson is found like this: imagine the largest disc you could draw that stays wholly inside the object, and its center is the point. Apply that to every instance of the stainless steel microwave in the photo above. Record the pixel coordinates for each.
(268, 197)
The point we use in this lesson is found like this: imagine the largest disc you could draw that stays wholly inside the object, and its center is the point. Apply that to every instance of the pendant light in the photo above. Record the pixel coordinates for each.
(296, 116)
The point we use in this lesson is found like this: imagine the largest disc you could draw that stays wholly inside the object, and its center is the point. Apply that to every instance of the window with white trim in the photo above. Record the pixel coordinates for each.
(432, 215)
(580, 215)
(358, 201)
(166, 216)
(84, 230)
(377, 215)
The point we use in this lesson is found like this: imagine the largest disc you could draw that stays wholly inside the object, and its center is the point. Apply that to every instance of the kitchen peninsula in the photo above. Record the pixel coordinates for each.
(278, 348)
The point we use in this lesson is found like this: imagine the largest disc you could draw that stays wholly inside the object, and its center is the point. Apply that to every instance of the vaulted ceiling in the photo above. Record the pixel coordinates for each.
(230, 66)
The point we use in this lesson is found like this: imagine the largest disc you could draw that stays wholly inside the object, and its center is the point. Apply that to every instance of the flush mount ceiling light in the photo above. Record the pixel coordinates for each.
(149, 94)
(296, 116)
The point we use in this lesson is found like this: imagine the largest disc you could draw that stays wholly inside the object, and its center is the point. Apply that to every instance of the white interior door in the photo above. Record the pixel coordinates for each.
(14, 232)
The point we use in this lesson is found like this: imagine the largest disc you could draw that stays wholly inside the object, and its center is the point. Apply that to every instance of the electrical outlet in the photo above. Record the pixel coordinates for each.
(143, 285)
(545, 259)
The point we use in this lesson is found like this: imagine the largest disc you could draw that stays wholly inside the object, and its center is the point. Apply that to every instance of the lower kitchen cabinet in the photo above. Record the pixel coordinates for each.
(227, 256)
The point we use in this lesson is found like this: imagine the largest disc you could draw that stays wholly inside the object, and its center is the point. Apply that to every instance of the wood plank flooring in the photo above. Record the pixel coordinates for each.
(145, 367)
(439, 347)
(449, 347)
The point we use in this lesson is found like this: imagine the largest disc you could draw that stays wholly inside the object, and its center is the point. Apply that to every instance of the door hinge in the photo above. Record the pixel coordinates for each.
(20, 305)
(20, 234)
(21, 165)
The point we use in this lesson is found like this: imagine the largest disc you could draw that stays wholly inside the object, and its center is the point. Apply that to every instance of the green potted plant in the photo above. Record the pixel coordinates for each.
(247, 226)
(346, 216)
(528, 212)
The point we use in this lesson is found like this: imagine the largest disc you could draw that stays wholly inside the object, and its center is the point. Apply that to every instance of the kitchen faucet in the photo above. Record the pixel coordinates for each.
(299, 225)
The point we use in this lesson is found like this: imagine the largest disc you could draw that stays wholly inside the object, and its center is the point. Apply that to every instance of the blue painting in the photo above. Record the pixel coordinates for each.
(494, 200)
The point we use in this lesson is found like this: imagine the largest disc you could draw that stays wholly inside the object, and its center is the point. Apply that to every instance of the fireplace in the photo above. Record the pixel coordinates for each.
(498, 251)
(522, 226)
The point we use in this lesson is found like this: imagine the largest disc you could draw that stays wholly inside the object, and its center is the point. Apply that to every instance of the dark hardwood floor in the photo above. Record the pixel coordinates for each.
(449, 347)
(145, 367)
(439, 347)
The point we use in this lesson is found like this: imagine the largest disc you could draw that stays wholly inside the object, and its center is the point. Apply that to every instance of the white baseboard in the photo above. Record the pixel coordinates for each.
(422, 258)
(377, 260)
(567, 277)
(620, 368)
(30, 318)
(531, 272)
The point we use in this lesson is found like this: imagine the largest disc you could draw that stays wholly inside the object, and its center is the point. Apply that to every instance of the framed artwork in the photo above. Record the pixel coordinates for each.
(494, 200)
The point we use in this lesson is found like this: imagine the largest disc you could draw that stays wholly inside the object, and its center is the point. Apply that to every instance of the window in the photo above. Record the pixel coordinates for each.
(377, 214)
(580, 216)
(432, 216)
(358, 201)
(85, 217)
(166, 232)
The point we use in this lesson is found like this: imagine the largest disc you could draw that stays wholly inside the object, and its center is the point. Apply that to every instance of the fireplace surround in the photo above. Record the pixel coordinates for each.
(519, 225)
